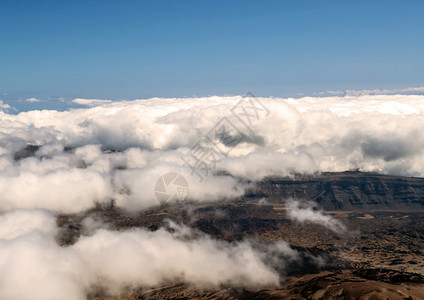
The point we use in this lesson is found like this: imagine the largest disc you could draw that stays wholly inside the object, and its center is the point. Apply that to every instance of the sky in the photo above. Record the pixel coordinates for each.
(56, 50)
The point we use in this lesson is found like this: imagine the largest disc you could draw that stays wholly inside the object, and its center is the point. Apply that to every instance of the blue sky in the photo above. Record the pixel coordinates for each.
(141, 49)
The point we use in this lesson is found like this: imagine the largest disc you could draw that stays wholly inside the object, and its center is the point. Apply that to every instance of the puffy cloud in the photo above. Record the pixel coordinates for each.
(118, 150)
(4, 106)
(137, 186)
(34, 266)
(131, 258)
(259, 164)
(306, 212)
(66, 191)
(20, 222)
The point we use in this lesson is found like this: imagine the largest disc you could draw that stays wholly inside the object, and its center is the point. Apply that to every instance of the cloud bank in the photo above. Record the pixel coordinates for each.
(34, 265)
(116, 151)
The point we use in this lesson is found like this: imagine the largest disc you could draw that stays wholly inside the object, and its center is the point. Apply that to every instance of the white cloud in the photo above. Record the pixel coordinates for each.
(371, 132)
(140, 257)
(21, 222)
(405, 91)
(306, 212)
(4, 106)
(32, 100)
(90, 102)
(66, 191)
(32, 264)
(138, 186)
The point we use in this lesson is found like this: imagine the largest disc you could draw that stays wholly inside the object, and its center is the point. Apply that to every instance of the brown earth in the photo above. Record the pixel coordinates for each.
(380, 257)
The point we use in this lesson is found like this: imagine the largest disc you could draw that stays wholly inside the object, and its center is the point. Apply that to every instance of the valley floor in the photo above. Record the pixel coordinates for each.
(380, 256)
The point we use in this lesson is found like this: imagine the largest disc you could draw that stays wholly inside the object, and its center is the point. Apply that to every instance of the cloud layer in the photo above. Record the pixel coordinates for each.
(118, 150)
(34, 265)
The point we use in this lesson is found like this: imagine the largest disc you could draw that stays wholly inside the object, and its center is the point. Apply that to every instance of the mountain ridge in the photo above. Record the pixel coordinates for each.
(349, 190)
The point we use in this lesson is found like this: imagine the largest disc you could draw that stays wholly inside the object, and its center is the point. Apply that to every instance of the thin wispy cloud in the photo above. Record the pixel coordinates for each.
(308, 212)
(90, 102)
(365, 92)
(32, 100)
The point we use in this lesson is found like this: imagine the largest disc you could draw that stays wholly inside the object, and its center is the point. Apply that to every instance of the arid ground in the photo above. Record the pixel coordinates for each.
(379, 256)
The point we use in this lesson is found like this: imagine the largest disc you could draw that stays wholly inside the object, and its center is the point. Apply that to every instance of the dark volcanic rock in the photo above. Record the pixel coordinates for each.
(347, 190)
(28, 151)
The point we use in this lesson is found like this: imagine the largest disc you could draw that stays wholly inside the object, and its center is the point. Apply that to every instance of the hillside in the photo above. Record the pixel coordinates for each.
(350, 190)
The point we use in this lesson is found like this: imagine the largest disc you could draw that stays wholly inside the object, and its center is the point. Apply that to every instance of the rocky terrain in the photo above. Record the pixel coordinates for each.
(380, 256)
(351, 190)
